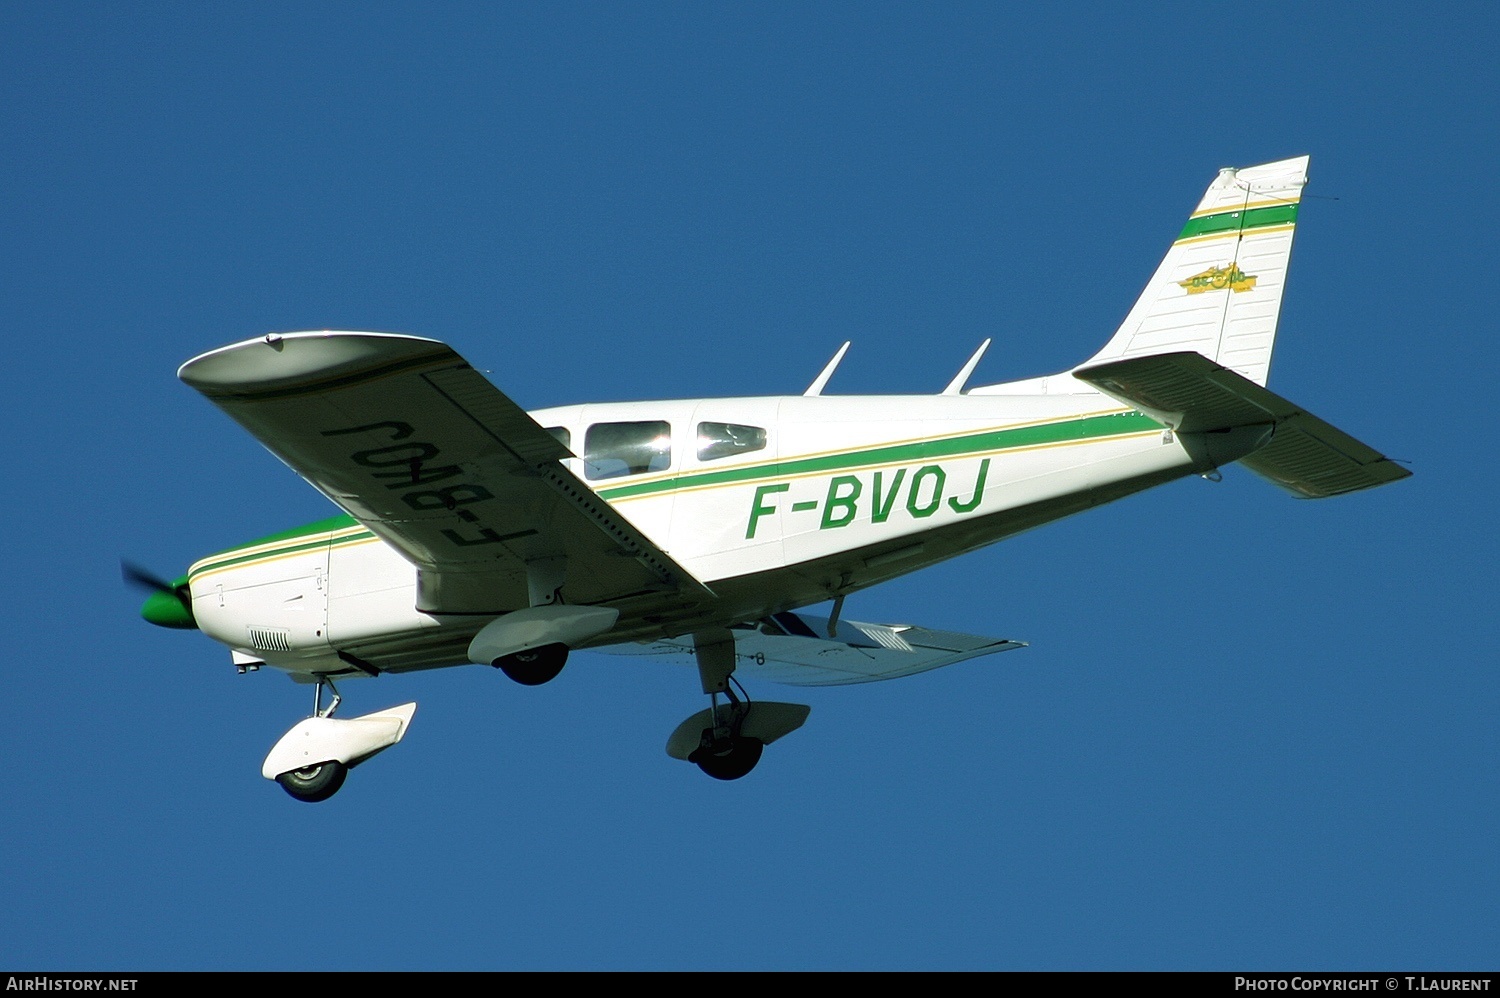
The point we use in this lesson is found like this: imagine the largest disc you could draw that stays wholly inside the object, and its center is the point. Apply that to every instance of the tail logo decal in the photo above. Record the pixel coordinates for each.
(1217, 279)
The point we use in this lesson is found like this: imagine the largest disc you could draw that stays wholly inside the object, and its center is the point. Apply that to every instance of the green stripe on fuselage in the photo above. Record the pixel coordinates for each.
(317, 534)
(988, 441)
(1064, 431)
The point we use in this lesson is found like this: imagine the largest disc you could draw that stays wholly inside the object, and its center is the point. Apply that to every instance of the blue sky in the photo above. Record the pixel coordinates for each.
(1249, 732)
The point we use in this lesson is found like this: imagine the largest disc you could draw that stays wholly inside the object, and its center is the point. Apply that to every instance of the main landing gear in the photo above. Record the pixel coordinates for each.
(312, 760)
(531, 645)
(724, 751)
(726, 740)
(534, 666)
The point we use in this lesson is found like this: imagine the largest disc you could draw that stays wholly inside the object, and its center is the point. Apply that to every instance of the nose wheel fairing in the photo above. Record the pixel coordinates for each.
(310, 760)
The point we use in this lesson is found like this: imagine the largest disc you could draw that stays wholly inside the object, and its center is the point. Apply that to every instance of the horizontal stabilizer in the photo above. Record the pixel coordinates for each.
(796, 649)
(1192, 394)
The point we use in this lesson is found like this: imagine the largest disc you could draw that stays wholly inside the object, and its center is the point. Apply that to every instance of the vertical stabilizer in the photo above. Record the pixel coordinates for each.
(1218, 291)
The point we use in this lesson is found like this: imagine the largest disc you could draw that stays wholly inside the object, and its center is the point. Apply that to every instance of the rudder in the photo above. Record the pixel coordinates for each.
(1218, 290)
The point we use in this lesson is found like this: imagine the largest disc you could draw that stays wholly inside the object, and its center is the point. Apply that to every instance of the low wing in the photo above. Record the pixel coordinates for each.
(420, 448)
(796, 649)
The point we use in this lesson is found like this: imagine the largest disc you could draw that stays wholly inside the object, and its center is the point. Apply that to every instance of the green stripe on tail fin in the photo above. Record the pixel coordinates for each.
(1218, 291)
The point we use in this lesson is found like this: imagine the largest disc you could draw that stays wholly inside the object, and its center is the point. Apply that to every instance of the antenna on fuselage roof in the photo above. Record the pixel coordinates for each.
(956, 386)
(816, 388)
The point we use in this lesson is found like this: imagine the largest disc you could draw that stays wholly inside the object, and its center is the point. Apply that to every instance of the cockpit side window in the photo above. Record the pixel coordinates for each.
(612, 450)
(716, 440)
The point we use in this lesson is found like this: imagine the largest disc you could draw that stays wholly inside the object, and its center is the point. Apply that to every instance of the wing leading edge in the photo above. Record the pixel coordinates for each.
(420, 448)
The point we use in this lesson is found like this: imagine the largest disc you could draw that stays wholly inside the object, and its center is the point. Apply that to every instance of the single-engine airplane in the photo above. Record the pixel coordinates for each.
(475, 532)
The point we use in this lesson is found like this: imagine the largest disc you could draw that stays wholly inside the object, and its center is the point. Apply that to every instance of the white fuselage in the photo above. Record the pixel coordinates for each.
(771, 502)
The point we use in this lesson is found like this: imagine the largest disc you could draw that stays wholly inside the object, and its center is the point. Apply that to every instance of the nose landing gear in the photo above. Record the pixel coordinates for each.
(314, 783)
(312, 760)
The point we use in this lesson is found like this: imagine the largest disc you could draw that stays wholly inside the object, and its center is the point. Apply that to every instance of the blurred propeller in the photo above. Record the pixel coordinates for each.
(138, 576)
(170, 603)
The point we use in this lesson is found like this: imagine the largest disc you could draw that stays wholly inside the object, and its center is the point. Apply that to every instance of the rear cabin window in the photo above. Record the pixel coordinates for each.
(612, 450)
(561, 435)
(716, 440)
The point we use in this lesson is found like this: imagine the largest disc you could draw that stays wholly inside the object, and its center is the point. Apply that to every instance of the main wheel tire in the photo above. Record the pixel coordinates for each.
(741, 757)
(534, 666)
(314, 783)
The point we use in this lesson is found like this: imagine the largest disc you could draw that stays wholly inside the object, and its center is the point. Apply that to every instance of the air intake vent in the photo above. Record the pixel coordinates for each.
(270, 639)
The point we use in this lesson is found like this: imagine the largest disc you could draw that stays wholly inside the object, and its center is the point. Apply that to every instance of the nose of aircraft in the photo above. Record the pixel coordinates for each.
(170, 609)
(170, 603)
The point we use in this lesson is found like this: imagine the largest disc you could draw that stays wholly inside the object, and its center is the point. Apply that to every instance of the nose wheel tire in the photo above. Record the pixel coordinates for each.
(534, 666)
(731, 762)
(314, 783)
